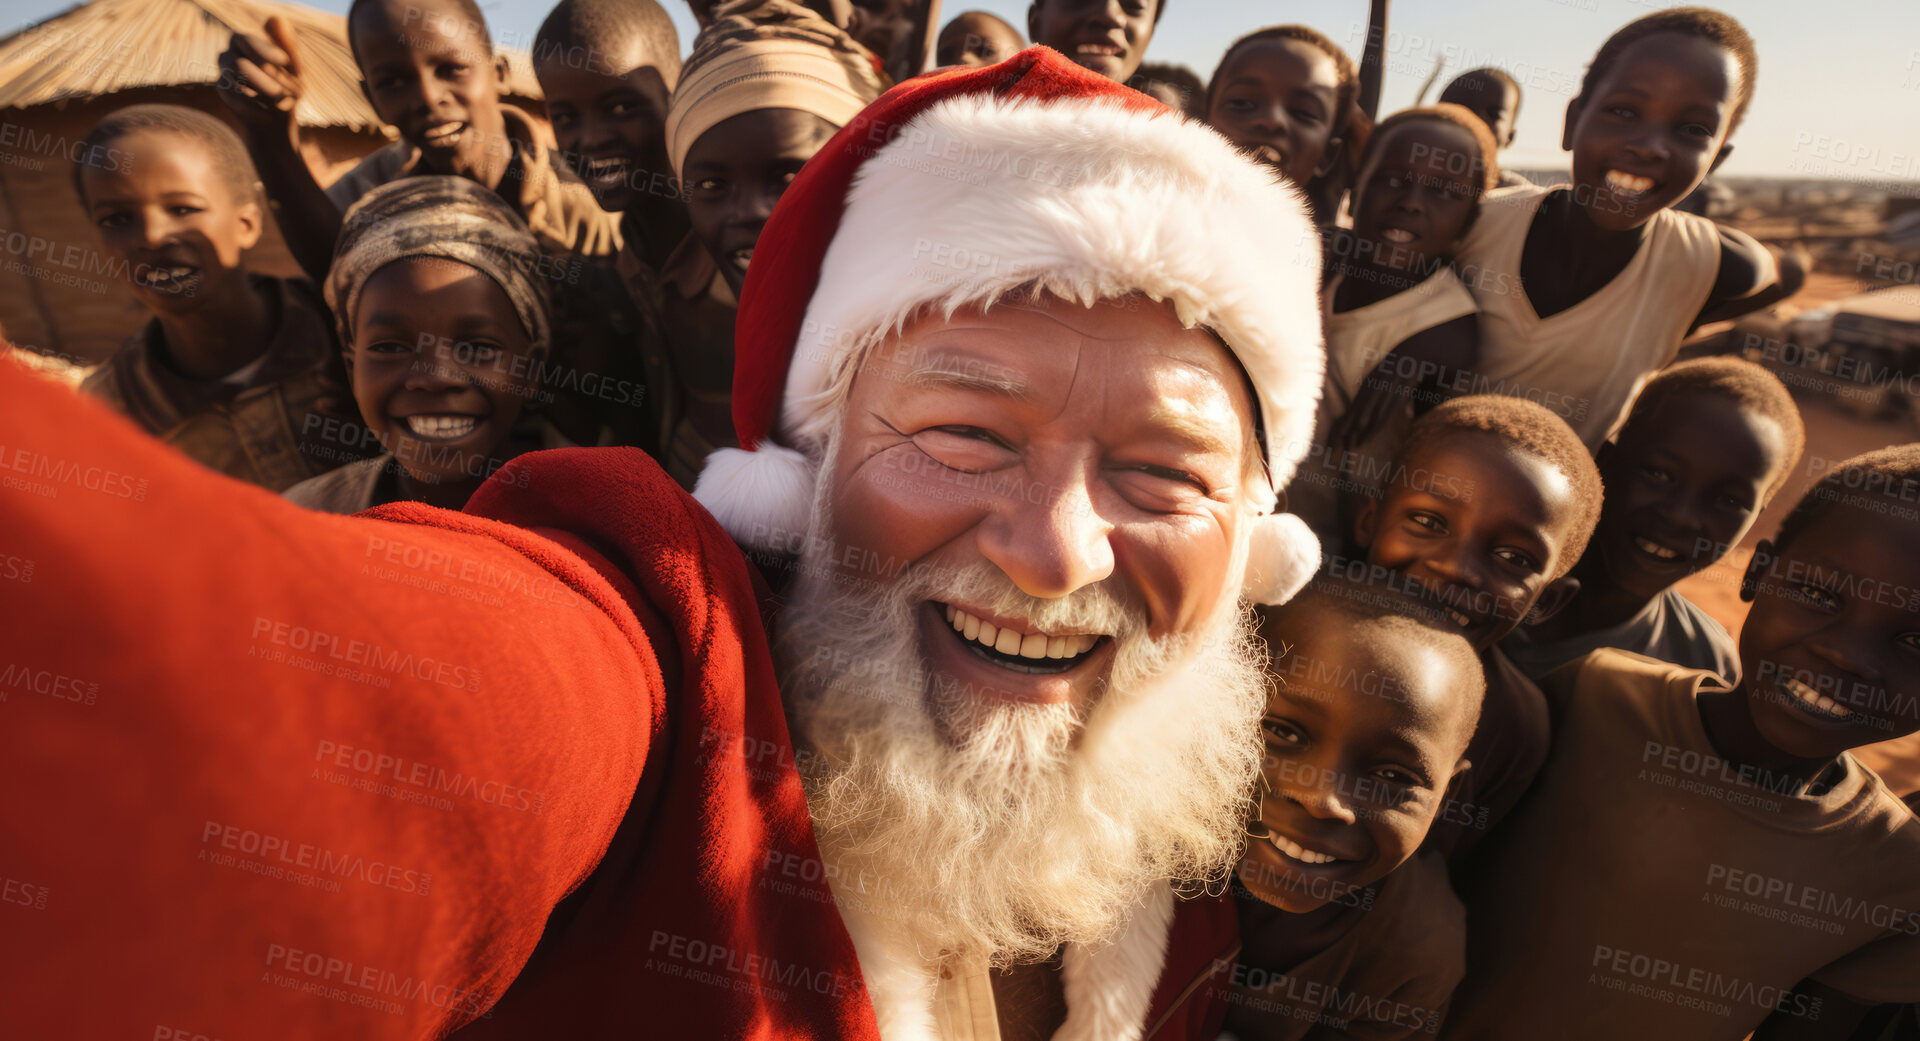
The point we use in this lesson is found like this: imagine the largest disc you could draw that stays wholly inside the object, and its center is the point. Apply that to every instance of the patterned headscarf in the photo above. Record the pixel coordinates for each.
(448, 217)
(768, 54)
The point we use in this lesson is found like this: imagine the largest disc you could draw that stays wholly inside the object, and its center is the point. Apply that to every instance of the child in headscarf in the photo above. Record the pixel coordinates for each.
(768, 83)
(443, 312)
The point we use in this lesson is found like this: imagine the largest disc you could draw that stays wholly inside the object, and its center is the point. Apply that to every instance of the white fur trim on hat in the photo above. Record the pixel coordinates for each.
(764, 498)
(1282, 558)
(979, 195)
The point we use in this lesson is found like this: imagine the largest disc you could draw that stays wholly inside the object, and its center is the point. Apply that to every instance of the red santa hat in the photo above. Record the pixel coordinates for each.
(957, 187)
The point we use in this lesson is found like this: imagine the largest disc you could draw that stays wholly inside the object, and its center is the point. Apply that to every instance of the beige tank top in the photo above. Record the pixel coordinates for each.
(1587, 362)
(1358, 339)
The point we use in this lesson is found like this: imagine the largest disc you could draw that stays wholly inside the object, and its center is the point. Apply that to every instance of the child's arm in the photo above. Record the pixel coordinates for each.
(1752, 277)
(1394, 383)
(926, 36)
(1373, 63)
(260, 82)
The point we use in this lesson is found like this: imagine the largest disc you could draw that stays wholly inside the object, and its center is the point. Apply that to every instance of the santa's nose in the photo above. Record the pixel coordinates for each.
(1051, 543)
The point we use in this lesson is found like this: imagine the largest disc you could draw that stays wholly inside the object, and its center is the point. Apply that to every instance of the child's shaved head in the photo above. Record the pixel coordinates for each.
(611, 27)
(1344, 69)
(372, 14)
(1702, 22)
(1533, 429)
(1885, 481)
(1403, 640)
(1750, 387)
(1366, 729)
(219, 141)
(1488, 173)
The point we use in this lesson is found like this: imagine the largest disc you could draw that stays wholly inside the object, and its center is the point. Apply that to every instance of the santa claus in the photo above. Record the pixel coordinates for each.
(1024, 361)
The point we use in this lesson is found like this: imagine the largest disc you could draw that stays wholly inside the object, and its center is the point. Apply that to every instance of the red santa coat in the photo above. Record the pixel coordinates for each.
(522, 769)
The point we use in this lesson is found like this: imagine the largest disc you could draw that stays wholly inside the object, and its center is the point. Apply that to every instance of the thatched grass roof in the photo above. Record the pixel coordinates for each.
(109, 46)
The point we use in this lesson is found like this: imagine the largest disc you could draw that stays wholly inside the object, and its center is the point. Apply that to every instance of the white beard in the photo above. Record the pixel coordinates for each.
(1008, 828)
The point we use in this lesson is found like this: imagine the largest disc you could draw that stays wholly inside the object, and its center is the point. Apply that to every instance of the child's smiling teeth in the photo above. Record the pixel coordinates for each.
(165, 277)
(1400, 236)
(1814, 699)
(441, 427)
(1298, 852)
(1102, 49)
(1627, 184)
(606, 171)
(1025, 645)
(444, 133)
(1654, 549)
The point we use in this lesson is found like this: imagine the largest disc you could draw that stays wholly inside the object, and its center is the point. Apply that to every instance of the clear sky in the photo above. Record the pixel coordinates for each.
(1838, 95)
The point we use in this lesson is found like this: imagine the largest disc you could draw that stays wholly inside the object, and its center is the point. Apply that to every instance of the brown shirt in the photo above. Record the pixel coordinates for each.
(693, 310)
(1648, 889)
(1389, 976)
(560, 210)
(274, 424)
(1507, 750)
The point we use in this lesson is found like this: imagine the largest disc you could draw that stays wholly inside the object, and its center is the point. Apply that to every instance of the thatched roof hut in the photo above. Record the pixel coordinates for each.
(61, 76)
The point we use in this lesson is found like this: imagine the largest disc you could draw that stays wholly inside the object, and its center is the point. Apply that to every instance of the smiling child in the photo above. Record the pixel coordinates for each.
(1707, 445)
(768, 83)
(608, 68)
(1693, 851)
(1342, 927)
(1286, 96)
(1108, 37)
(1486, 508)
(1587, 289)
(234, 369)
(444, 319)
(429, 70)
(1398, 320)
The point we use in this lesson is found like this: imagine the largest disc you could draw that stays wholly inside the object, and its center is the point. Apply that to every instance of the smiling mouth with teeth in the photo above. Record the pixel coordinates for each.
(179, 280)
(1105, 50)
(1267, 154)
(1812, 700)
(741, 258)
(1654, 549)
(1398, 236)
(440, 427)
(1015, 649)
(1295, 851)
(605, 171)
(443, 134)
(1627, 184)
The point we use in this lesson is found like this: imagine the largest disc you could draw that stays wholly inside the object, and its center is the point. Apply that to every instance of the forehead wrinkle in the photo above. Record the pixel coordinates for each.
(934, 377)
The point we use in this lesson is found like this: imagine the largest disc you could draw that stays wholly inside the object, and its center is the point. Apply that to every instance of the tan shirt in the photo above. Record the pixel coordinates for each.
(1586, 363)
(1388, 977)
(1647, 889)
(274, 423)
(560, 210)
(1327, 489)
(1359, 339)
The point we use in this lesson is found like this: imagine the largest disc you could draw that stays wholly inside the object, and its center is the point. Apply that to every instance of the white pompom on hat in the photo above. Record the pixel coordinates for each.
(958, 187)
